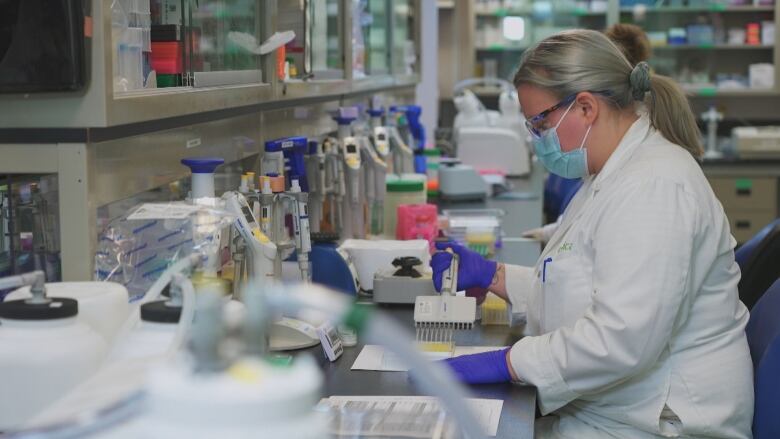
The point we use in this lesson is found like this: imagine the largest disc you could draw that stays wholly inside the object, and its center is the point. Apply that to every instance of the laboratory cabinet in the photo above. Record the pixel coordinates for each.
(748, 191)
(153, 59)
(750, 203)
(169, 79)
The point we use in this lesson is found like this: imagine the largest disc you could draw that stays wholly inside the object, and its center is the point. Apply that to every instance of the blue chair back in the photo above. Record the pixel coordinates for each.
(762, 268)
(572, 191)
(763, 334)
(764, 324)
(556, 190)
(330, 269)
(743, 253)
(766, 419)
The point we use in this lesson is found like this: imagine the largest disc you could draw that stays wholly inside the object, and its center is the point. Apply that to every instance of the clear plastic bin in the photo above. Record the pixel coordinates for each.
(478, 229)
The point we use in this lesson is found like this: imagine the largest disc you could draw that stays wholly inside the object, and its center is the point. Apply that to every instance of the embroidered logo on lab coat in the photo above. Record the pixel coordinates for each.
(565, 247)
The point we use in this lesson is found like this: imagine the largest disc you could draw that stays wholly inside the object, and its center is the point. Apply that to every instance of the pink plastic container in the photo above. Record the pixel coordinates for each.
(417, 221)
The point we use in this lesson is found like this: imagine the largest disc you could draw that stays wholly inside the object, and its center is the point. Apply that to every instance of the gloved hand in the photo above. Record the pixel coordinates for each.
(485, 368)
(541, 234)
(473, 270)
(478, 293)
(536, 234)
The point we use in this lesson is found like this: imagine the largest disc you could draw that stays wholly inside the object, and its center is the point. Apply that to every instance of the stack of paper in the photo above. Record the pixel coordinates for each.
(403, 416)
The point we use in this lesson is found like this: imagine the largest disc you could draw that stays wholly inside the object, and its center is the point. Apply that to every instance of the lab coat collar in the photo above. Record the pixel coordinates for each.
(631, 141)
(634, 137)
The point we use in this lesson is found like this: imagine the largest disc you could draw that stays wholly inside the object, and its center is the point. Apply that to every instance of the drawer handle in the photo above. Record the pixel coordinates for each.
(744, 192)
(743, 224)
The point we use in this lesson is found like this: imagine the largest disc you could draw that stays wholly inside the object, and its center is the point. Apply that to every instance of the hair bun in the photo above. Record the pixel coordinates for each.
(640, 81)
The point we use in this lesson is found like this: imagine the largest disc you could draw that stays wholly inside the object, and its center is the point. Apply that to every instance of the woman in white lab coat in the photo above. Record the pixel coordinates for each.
(634, 321)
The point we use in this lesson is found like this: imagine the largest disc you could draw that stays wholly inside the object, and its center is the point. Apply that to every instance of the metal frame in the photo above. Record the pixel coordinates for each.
(70, 162)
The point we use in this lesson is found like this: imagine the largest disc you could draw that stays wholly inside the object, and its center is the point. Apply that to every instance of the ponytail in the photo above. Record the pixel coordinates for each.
(670, 113)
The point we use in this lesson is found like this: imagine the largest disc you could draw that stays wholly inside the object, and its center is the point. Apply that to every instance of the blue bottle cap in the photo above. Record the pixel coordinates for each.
(203, 165)
(344, 120)
(378, 112)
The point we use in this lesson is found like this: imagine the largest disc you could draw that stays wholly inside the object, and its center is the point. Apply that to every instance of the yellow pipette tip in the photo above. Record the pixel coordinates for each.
(435, 347)
(245, 373)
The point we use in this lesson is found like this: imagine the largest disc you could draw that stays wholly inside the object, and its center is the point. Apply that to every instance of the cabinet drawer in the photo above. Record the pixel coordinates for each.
(746, 223)
(746, 193)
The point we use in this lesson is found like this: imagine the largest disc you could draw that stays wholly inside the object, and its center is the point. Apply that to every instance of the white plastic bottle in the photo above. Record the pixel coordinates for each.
(45, 351)
(510, 113)
(102, 305)
(248, 398)
(151, 335)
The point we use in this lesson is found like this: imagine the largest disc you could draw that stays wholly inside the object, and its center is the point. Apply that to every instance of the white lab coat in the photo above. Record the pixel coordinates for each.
(637, 329)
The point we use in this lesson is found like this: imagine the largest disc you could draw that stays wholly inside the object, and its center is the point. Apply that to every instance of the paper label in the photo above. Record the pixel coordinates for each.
(192, 143)
(162, 211)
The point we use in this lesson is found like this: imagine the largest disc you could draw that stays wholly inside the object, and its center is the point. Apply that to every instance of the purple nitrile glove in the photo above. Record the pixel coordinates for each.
(478, 293)
(485, 368)
(473, 270)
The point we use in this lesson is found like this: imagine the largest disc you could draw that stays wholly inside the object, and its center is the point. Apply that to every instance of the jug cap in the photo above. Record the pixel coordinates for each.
(159, 312)
(54, 308)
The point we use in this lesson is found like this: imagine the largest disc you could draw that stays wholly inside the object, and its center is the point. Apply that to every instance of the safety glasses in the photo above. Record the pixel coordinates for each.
(534, 123)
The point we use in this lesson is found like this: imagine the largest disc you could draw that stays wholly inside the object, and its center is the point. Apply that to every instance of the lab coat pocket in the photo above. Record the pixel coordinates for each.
(567, 289)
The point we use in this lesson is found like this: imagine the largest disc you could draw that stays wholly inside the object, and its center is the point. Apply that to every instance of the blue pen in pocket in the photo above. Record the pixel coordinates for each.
(544, 269)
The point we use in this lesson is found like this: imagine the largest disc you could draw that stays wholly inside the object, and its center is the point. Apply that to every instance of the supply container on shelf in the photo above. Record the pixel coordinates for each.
(406, 189)
(417, 221)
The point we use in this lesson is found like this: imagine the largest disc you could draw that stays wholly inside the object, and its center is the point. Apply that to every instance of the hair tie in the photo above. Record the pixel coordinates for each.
(640, 81)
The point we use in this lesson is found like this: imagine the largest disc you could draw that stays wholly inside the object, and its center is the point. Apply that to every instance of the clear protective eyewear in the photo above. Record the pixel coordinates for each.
(534, 123)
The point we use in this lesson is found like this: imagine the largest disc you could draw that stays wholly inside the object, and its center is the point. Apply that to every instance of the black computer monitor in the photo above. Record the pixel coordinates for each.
(42, 46)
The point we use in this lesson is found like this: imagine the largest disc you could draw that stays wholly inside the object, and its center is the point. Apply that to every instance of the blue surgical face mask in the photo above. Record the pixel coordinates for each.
(572, 164)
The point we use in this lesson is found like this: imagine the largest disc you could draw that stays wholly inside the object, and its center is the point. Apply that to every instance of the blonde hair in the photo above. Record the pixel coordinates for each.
(580, 60)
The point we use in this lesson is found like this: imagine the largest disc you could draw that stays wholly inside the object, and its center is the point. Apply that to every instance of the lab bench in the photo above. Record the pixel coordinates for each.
(519, 410)
(748, 191)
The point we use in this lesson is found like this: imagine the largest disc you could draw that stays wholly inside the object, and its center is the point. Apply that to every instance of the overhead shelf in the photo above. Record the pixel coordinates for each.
(584, 12)
(711, 91)
(501, 48)
(694, 10)
(501, 12)
(714, 47)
